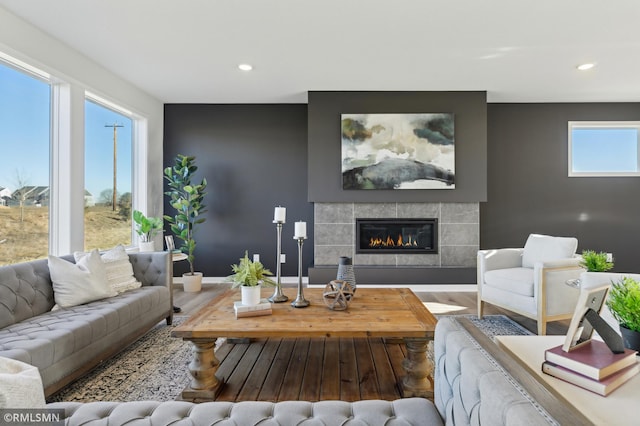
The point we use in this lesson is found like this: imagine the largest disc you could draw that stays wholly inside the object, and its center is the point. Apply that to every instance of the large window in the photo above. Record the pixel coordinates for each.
(25, 109)
(605, 148)
(47, 186)
(108, 170)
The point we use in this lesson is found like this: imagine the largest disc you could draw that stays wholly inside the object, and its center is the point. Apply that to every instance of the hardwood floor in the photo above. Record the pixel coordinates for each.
(445, 303)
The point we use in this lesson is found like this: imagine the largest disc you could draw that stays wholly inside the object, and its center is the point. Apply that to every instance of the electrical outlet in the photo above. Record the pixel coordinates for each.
(283, 258)
(609, 257)
(256, 258)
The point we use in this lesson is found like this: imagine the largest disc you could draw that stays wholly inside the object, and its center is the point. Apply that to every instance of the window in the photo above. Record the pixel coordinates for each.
(605, 148)
(108, 173)
(25, 140)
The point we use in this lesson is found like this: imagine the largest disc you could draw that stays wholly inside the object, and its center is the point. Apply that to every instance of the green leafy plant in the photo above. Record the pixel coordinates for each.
(147, 227)
(624, 303)
(249, 273)
(595, 262)
(187, 199)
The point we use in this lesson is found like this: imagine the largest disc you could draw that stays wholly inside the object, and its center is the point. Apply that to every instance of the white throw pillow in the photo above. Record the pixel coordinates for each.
(83, 282)
(543, 248)
(119, 270)
(20, 385)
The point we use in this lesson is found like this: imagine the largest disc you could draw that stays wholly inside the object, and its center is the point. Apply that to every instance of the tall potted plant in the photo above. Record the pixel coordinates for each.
(146, 228)
(187, 199)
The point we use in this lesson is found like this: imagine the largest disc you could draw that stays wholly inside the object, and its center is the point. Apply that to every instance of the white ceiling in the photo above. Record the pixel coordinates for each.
(516, 50)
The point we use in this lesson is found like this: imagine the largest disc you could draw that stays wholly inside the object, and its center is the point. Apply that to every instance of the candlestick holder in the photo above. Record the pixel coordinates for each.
(278, 296)
(300, 301)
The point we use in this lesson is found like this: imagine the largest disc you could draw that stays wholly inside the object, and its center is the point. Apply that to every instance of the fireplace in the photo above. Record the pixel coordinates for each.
(397, 236)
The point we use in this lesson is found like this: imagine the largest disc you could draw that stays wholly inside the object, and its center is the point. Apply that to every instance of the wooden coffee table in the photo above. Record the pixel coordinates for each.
(385, 312)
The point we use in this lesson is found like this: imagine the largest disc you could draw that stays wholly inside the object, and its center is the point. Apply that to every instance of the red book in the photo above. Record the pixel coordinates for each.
(593, 359)
(602, 387)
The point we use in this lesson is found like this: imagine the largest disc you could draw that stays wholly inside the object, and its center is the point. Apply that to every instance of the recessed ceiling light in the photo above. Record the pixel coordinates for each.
(587, 66)
(245, 67)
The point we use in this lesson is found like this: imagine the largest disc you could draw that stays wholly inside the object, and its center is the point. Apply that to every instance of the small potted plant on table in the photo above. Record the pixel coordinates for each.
(250, 276)
(595, 262)
(147, 228)
(624, 304)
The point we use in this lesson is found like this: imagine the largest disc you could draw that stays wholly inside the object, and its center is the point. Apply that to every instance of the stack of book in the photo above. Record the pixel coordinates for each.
(262, 308)
(591, 366)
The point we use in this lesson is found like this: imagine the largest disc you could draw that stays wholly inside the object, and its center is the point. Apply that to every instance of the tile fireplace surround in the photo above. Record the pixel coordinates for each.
(458, 234)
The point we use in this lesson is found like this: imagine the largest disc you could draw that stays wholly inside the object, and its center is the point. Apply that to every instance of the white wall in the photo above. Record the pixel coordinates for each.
(27, 43)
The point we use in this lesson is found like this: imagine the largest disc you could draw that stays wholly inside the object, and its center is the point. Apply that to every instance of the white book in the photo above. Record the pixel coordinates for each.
(263, 305)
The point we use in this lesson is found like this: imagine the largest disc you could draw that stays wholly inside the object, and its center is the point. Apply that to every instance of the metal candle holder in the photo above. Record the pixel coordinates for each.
(300, 301)
(278, 296)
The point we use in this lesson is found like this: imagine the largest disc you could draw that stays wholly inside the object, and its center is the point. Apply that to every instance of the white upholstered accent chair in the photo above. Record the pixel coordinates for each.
(531, 281)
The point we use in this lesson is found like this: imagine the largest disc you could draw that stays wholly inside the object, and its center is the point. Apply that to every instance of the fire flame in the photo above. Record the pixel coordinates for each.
(390, 242)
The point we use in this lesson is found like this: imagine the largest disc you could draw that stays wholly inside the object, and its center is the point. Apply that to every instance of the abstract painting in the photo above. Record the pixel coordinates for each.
(398, 151)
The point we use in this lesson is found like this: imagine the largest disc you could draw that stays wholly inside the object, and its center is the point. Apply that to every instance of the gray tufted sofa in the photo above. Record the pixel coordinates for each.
(402, 412)
(66, 343)
(471, 388)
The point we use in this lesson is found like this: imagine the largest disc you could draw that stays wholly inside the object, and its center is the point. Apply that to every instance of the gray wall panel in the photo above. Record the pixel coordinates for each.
(530, 191)
(254, 158)
(325, 108)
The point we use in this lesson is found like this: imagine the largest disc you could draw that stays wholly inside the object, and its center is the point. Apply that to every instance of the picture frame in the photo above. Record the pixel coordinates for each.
(398, 151)
(171, 246)
(580, 329)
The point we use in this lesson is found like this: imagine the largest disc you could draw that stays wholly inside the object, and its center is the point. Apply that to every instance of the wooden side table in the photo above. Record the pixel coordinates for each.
(613, 409)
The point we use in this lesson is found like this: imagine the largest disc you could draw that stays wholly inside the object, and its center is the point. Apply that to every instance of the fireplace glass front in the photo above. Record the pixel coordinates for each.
(397, 236)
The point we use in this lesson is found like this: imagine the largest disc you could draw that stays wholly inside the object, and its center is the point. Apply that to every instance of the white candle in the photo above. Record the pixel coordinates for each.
(300, 230)
(279, 214)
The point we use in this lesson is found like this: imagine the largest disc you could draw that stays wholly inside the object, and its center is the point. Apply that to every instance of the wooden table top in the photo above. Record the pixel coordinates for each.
(373, 312)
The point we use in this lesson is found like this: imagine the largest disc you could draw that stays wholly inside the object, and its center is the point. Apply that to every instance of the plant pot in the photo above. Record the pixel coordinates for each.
(147, 246)
(192, 283)
(631, 338)
(250, 295)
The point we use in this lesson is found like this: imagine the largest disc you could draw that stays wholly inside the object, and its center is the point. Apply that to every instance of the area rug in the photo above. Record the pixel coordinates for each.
(494, 325)
(152, 368)
(155, 367)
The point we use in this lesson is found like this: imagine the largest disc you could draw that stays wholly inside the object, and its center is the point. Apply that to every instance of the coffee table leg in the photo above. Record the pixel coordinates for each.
(204, 383)
(418, 381)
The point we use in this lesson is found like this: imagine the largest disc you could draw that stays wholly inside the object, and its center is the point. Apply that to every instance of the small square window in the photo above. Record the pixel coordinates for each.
(604, 148)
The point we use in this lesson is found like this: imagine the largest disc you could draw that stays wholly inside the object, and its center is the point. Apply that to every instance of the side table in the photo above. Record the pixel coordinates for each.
(614, 409)
(176, 257)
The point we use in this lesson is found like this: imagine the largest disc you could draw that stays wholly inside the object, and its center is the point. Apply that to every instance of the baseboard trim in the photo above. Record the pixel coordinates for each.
(305, 281)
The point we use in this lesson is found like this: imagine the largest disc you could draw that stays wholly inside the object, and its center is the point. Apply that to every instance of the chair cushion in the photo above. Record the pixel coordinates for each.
(542, 248)
(514, 280)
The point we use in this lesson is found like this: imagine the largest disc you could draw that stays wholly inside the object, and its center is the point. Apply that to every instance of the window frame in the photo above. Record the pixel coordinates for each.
(46, 78)
(573, 125)
(140, 143)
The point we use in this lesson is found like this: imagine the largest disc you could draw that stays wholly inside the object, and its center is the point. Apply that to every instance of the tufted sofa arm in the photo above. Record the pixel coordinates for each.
(152, 268)
(402, 412)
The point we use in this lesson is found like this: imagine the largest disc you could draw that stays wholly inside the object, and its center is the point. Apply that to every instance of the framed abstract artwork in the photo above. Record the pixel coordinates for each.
(398, 151)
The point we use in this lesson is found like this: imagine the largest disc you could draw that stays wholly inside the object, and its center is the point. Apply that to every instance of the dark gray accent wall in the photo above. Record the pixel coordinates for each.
(325, 177)
(530, 191)
(254, 159)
